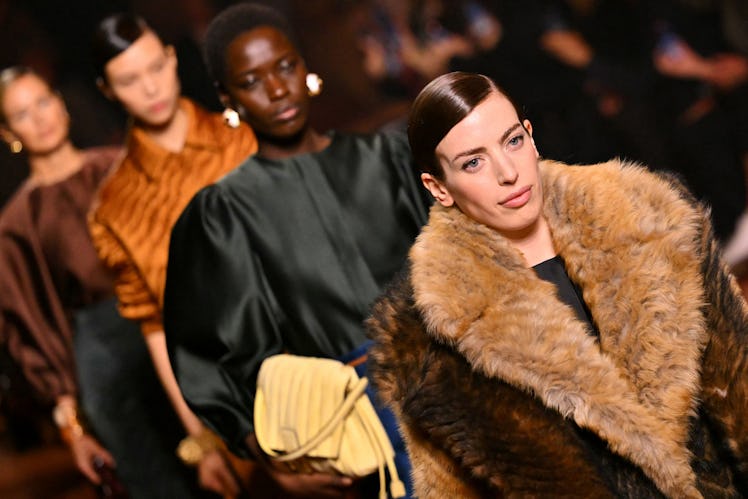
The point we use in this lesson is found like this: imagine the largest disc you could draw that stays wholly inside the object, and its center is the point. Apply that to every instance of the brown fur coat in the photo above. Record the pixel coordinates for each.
(501, 391)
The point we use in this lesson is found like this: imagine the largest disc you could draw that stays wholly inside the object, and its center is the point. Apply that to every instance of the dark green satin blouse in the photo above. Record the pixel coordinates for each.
(284, 255)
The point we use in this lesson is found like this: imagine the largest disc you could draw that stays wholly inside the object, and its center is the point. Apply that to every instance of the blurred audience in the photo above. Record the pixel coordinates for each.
(407, 43)
(703, 101)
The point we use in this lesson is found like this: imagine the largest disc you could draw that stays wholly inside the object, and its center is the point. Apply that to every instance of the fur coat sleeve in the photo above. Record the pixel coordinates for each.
(500, 391)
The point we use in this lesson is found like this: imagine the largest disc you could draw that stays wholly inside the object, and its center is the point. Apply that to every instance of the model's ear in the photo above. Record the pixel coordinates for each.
(528, 126)
(8, 136)
(437, 189)
(224, 98)
(105, 89)
(171, 54)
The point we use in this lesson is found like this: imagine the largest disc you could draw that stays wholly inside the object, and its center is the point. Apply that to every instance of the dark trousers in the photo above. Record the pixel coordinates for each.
(126, 407)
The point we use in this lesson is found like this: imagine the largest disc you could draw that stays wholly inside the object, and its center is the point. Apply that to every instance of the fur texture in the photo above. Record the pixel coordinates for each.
(501, 390)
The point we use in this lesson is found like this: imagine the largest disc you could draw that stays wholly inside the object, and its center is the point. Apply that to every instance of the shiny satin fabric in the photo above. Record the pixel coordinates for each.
(48, 270)
(287, 256)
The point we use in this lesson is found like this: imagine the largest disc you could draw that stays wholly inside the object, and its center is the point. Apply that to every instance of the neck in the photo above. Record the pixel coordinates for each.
(306, 141)
(535, 244)
(172, 135)
(56, 165)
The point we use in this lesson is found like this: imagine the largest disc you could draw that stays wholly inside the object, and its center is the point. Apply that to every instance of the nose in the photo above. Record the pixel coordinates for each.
(37, 116)
(276, 87)
(506, 173)
(149, 86)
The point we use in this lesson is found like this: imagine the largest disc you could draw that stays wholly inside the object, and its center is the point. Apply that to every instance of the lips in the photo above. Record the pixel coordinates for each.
(46, 133)
(287, 113)
(518, 198)
(158, 107)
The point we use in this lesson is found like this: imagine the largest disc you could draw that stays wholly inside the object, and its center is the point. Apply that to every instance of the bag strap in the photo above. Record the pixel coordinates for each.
(397, 489)
(329, 427)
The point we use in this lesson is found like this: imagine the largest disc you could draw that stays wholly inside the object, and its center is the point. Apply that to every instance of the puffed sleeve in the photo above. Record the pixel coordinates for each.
(135, 299)
(33, 324)
(220, 317)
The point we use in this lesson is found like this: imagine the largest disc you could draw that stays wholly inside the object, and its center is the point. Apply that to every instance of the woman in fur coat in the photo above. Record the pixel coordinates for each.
(560, 331)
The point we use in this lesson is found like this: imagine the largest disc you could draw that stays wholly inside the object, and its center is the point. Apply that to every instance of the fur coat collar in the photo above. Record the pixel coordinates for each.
(629, 242)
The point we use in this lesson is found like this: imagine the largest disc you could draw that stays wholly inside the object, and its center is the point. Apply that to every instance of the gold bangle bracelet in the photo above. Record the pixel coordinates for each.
(65, 417)
(193, 448)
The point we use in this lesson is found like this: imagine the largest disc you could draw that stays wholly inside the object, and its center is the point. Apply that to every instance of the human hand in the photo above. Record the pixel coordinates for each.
(728, 71)
(85, 450)
(308, 485)
(214, 474)
(679, 60)
(374, 57)
(312, 485)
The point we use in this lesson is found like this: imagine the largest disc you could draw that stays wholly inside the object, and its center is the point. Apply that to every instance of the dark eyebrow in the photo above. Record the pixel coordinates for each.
(468, 153)
(509, 131)
(504, 136)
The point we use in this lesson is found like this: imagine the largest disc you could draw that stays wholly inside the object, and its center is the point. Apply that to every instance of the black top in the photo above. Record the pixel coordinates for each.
(284, 256)
(554, 271)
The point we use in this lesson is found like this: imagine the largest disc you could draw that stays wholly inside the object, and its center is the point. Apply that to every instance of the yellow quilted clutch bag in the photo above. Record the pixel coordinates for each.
(314, 415)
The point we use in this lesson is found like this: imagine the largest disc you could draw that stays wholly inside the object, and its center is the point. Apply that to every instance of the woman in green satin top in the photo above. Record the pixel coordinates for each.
(287, 252)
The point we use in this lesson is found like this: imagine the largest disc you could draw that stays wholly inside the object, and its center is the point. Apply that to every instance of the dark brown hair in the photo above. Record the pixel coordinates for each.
(443, 103)
(113, 35)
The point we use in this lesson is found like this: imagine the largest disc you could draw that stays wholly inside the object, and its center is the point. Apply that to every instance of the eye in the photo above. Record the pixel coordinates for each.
(248, 83)
(125, 81)
(471, 164)
(516, 141)
(45, 102)
(17, 117)
(287, 65)
(158, 65)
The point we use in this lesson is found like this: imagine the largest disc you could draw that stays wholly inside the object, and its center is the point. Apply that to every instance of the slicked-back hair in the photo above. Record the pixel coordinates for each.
(443, 103)
(232, 22)
(113, 35)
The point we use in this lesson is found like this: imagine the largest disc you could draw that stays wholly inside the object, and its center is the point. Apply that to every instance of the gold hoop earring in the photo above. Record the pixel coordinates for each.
(16, 146)
(313, 84)
(231, 118)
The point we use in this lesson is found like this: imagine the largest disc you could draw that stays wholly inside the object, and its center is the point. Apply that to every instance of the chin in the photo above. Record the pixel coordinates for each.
(292, 129)
(162, 119)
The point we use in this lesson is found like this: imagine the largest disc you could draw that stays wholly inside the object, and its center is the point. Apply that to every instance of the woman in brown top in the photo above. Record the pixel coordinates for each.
(40, 285)
(51, 282)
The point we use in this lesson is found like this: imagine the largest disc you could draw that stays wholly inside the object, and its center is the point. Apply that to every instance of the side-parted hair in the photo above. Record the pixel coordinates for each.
(443, 103)
(232, 22)
(113, 35)
(7, 77)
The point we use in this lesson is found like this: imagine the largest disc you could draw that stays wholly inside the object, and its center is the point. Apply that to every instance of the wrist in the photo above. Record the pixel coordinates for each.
(65, 416)
(193, 448)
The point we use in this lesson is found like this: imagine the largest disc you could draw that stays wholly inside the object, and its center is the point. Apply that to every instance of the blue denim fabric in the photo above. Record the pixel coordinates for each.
(402, 462)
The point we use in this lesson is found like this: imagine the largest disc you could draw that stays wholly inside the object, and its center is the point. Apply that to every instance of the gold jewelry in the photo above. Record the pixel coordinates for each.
(193, 448)
(231, 118)
(16, 146)
(65, 417)
(313, 84)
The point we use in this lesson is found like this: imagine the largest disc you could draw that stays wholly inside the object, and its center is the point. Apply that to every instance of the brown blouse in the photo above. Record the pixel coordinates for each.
(143, 197)
(48, 270)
